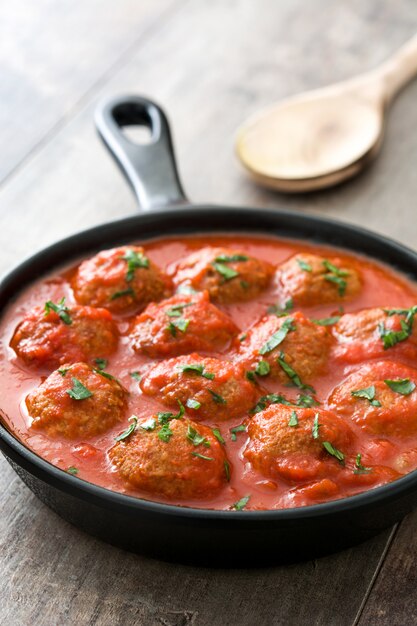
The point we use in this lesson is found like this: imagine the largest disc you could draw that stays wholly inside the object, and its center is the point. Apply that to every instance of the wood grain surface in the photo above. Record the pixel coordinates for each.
(210, 64)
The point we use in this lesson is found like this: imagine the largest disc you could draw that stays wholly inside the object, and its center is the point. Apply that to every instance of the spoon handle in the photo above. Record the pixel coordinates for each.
(398, 70)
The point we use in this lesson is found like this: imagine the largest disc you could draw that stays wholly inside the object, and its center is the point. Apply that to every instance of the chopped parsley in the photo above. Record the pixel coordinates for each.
(150, 424)
(281, 311)
(278, 337)
(121, 294)
(368, 394)
(243, 337)
(218, 399)
(201, 456)
(227, 470)
(72, 470)
(131, 429)
(293, 421)
(60, 309)
(359, 468)
(196, 368)
(164, 418)
(227, 273)
(334, 452)
(78, 391)
(292, 374)
(195, 437)
(316, 426)
(390, 338)
(240, 504)
(237, 429)
(263, 368)
(63, 370)
(327, 321)
(177, 309)
(178, 324)
(251, 376)
(218, 435)
(193, 404)
(303, 400)
(101, 363)
(336, 275)
(136, 375)
(306, 267)
(135, 260)
(404, 386)
(165, 433)
(307, 401)
(233, 258)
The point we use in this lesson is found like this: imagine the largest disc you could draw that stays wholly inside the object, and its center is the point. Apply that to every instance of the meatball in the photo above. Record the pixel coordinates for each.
(76, 401)
(377, 406)
(304, 346)
(228, 275)
(370, 333)
(55, 334)
(297, 444)
(182, 324)
(185, 461)
(310, 280)
(120, 280)
(210, 388)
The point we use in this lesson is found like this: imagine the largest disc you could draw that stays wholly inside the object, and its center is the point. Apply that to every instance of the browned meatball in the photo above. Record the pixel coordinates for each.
(378, 406)
(228, 275)
(120, 280)
(55, 333)
(209, 388)
(76, 402)
(297, 444)
(303, 346)
(309, 279)
(179, 460)
(182, 324)
(377, 332)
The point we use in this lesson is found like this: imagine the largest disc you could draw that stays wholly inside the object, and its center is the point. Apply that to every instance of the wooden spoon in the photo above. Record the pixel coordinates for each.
(322, 137)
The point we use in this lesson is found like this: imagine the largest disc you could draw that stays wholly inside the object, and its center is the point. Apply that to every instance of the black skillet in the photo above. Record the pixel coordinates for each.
(183, 534)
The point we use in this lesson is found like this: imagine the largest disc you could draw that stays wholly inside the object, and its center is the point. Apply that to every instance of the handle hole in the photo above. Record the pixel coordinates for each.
(138, 134)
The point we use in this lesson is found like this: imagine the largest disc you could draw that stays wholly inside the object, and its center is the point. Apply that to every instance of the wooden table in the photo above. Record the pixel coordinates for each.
(210, 64)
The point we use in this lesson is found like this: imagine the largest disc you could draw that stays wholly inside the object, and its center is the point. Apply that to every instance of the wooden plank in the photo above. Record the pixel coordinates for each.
(393, 599)
(52, 54)
(211, 64)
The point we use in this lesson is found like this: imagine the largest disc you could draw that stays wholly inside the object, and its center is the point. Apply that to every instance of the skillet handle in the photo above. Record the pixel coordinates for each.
(149, 168)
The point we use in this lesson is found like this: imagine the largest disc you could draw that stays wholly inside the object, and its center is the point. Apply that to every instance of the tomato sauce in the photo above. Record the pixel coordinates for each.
(381, 287)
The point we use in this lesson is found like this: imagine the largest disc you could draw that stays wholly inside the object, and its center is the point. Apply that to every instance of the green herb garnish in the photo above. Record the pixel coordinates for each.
(390, 338)
(201, 456)
(327, 321)
(281, 311)
(136, 375)
(121, 294)
(359, 468)
(218, 435)
(60, 309)
(164, 418)
(63, 370)
(336, 275)
(316, 426)
(240, 504)
(131, 429)
(101, 363)
(78, 391)
(72, 470)
(251, 376)
(178, 324)
(237, 429)
(306, 400)
(196, 368)
(195, 437)
(293, 419)
(263, 368)
(334, 452)
(193, 404)
(368, 394)
(177, 309)
(227, 470)
(218, 399)
(227, 273)
(306, 267)
(404, 386)
(292, 374)
(234, 258)
(165, 433)
(135, 260)
(278, 337)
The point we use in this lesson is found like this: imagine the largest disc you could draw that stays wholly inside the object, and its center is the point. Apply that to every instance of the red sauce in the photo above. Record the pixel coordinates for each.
(381, 287)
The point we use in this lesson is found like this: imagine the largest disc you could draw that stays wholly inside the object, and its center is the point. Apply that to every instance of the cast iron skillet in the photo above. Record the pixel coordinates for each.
(193, 535)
